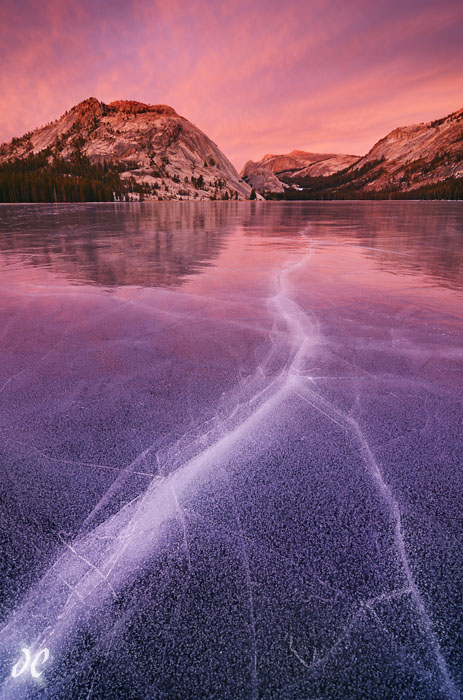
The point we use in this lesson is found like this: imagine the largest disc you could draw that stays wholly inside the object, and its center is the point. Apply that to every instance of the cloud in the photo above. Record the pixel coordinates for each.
(256, 77)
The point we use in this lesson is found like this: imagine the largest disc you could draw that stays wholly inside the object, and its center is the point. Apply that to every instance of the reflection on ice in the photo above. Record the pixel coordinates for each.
(235, 477)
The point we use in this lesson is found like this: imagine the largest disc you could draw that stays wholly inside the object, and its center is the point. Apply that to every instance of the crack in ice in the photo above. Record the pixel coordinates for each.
(160, 501)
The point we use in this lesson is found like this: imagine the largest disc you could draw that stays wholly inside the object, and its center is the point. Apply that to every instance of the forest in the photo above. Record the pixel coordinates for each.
(44, 177)
(452, 188)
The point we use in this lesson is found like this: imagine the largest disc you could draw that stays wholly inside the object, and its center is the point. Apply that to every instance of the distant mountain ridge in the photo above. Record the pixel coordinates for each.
(412, 156)
(423, 160)
(127, 148)
(265, 175)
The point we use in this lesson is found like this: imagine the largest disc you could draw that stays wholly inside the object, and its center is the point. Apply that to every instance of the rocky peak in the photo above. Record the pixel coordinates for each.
(420, 154)
(275, 172)
(406, 159)
(84, 112)
(132, 107)
(151, 145)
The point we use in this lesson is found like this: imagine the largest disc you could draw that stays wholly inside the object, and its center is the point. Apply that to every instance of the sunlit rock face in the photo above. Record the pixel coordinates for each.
(263, 174)
(406, 159)
(231, 451)
(419, 154)
(261, 177)
(157, 146)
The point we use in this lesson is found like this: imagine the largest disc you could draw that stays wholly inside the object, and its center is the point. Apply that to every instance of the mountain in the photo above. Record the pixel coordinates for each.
(124, 149)
(423, 161)
(272, 171)
(412, 156)
(130, 150)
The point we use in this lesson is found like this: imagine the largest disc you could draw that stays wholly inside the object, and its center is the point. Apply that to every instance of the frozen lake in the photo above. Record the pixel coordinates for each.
(231, 451)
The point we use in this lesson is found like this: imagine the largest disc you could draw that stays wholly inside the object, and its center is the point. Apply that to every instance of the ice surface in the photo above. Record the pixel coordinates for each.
(231, 450)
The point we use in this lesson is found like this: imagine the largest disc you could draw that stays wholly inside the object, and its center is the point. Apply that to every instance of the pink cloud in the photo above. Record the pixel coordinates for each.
(256, 77)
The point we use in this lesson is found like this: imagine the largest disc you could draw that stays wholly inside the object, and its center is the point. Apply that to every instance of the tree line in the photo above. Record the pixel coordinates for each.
(451, 188)
(44, 177)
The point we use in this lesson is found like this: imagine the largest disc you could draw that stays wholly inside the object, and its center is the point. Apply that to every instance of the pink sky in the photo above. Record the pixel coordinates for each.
(257, 77)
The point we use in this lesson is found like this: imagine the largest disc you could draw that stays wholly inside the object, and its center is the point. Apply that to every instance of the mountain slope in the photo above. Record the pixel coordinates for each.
(417, 155)
(148, 150)
(422, 160)
(272, 172)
